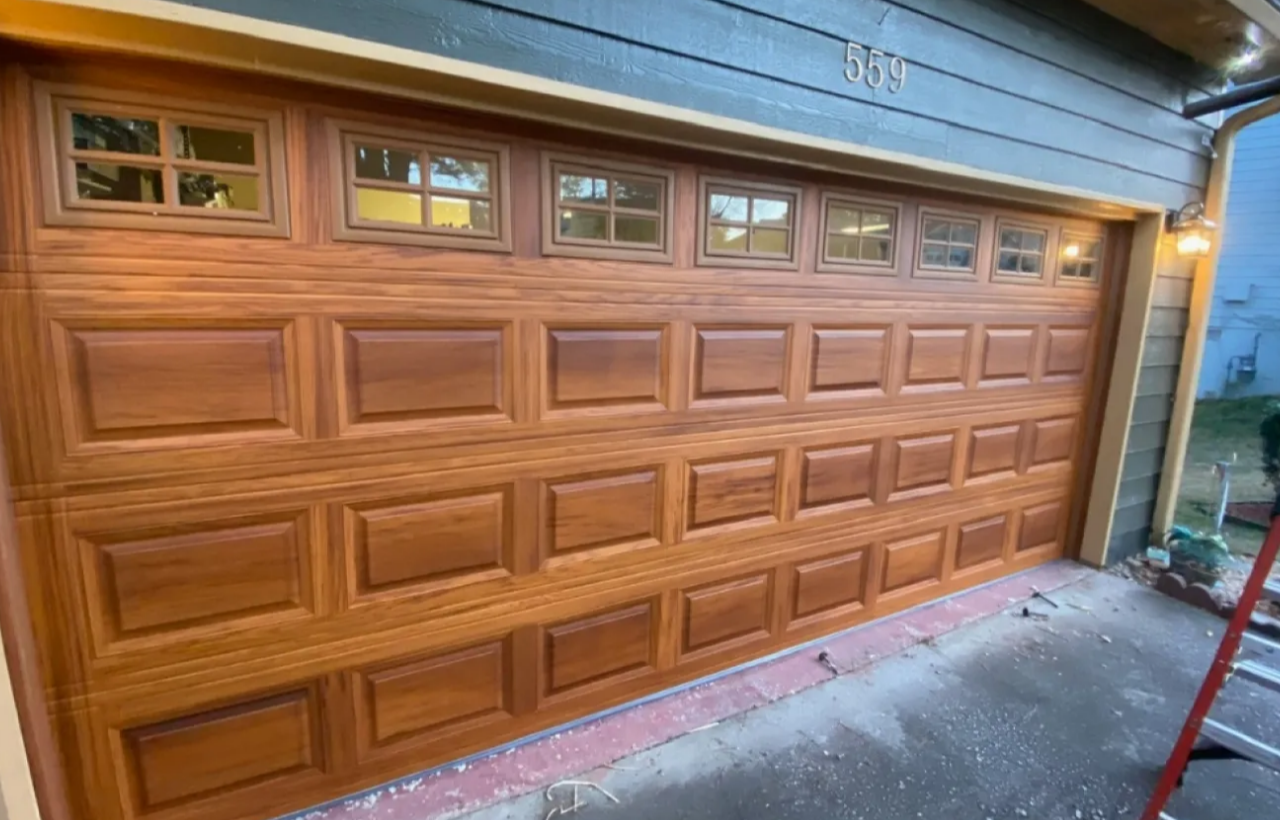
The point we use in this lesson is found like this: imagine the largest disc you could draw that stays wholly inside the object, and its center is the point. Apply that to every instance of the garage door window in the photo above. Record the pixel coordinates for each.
(607, 210)
(948, 246)
(124, 160)
(411, 188)
(858, 236)
(751, 224)
(1021, 253)
(1081, 259)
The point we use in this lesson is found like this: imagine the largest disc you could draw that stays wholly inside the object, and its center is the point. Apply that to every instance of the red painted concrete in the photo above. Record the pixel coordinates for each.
(538, 764)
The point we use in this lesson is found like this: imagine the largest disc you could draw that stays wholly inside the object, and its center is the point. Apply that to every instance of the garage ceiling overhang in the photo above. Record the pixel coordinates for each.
(1239, 38)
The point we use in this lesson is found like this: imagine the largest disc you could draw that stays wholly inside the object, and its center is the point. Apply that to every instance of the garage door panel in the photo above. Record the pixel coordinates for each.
(937, 358)
(838, 476)
(921, 465)
(993, 452)
(431, 540)
(176, 382)
(408, 377)
(849, 361)
(600, 649)
(719, 616)
(740, 364)
(831, 585)
(166, 582)
(1008, 355)
(213, 753)
(737, 491)
(595, 511)
(1067, 353)
(614, 368)
(911, 562)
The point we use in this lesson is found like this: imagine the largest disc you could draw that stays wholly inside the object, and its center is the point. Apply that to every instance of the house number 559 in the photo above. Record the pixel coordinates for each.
(868, 65)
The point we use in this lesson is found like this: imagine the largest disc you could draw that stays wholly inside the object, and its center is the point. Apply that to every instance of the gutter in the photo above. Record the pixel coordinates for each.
(1215, 201)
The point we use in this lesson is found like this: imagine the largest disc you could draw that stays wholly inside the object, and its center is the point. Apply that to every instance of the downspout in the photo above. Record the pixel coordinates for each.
(1206, 272)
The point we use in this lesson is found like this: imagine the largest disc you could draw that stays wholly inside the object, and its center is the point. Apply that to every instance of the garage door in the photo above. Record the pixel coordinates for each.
(346, 444)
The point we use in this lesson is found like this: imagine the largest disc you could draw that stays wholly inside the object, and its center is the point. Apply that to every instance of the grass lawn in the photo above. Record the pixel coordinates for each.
(1223, 430)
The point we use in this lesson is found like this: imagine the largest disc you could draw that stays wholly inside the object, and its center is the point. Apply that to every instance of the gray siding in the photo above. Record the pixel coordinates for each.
(1149, 426)
(1050, 91)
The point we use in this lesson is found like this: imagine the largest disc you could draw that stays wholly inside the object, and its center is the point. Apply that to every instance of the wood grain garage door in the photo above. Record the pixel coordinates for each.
(345, 445)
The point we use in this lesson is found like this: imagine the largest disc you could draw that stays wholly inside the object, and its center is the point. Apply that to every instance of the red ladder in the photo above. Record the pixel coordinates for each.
(1224, 741)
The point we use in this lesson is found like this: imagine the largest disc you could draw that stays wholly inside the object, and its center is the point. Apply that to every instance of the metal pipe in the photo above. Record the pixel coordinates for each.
(1240, 95)
(1215, 208)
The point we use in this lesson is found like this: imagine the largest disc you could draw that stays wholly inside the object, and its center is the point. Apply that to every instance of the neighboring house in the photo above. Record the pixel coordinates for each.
(382, 382)
(1242, 351)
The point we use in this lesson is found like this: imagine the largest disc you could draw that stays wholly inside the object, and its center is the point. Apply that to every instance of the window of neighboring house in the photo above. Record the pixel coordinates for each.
(133, 161)
(948, 246)
(607, 210)
(1021, 252)
(405, 187)
(748, 224)
(858, 236)
(1081, 258)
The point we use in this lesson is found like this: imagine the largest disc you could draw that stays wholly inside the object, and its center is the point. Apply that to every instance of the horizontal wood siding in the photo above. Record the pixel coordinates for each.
(1153, 405)
(1021, 89)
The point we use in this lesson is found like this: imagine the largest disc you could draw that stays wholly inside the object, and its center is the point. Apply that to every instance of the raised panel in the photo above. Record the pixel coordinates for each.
(146, 383)
(740, 363)
(913, 561)
(993, 450)
(598, 648)
(434, 695)
(605, 367)
(600, 511)
(981, 541)
(1053, 441)
(936, 357)
(1041, 526)
(1008, 355)
(723, 492)
(422, 374)
(211, 572)
(834, 582)
(223, 750)
(725, 613)
(407, 541)
(923, 463)
(849, 360)
(838, 475)
(1068, 350)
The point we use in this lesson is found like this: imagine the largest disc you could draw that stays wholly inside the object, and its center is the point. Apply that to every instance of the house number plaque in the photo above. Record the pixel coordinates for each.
(873, 67)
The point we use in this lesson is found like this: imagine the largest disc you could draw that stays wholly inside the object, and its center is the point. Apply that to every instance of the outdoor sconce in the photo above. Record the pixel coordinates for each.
(1194, 232)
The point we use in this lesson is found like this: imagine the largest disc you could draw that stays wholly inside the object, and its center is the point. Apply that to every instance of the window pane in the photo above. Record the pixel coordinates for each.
(1008, 261)
(1084, 270)
(771, 212)
(92, 132)
(631, 193)
(1030, 263)
(1070, 270)
(874, 249)
(731, 208)
(1010, 239)
(1090, 250)
(878, 223)
(584, 189)
(584, 225)
(842, 246)
(639, 229)
(118, 183)
(964, 233)
(727, 238)
(461, 214)
(388, 164)
(769, 240)
(843, 220)
(389, 206)
(933, 254)
(214, 144)
(960, 257)
(1033, 241)
(459, 174)
(938, 229)
(230, 191)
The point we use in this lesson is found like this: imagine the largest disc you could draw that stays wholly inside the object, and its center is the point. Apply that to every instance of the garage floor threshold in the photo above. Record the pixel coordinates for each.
(529, 766)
